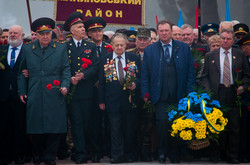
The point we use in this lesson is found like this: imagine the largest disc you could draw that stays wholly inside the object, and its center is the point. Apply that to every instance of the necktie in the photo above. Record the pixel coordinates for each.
(166, 53)
(12, 57)
(226, 71)
(98, 50)
(78, 44)
(43, 50)
(120, 70)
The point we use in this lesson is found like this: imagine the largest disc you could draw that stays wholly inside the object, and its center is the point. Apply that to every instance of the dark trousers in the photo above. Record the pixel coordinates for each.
(122, 129)
(13, 136)
(230, 139)
(80, 116)
(46, 145)
(167, 145)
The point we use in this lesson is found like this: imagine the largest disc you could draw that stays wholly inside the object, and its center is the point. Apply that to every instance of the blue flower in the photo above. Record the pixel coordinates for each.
(204, 96)
(171, 114)
(216, 103)
(208, 109)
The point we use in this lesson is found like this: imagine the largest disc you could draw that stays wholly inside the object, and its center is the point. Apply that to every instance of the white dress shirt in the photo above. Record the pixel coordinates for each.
(17, 52)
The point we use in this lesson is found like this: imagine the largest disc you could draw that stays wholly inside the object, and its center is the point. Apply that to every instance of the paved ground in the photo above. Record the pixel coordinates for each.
(105, 161)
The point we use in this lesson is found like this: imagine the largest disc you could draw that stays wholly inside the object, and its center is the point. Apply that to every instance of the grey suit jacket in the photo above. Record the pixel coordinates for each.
(210, 78)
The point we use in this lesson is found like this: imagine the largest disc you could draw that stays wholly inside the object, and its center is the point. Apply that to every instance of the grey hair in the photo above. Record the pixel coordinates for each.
(119, 35)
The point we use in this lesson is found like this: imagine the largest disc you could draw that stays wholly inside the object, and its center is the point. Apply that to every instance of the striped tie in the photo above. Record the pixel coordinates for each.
(226, 71)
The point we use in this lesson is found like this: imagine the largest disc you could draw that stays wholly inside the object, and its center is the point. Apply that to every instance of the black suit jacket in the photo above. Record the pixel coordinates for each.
(111, 93)
(210, 77)
(84, 88)
(8, 76)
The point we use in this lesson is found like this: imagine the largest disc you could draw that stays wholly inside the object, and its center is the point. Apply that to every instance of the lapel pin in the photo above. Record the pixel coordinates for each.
(54, 45)
(85, 44)
(234, 57)
(213, 61)
(70, 44)
(33, 47)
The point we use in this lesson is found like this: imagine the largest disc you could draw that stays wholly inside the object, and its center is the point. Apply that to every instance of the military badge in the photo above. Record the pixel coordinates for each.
(87, 51)
(33, 47)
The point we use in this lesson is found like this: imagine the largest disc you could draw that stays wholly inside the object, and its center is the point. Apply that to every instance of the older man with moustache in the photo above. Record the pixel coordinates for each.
(13, 111)
(219, 75)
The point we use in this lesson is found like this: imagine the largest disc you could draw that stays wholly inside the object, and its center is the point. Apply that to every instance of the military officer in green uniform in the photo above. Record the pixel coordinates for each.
(99, 142)
(83, 82)
(45, 61)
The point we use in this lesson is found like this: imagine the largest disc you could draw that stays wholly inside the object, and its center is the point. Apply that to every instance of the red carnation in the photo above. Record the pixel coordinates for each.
(196, 65)
(248, 108)
(49, 86)
(88, 62)
(84, 60)
(109, 48)
(5, 42)
(125, 69)
(202, 50)
(84, 66)
(237, 70)
(56, 82)
(146, 95)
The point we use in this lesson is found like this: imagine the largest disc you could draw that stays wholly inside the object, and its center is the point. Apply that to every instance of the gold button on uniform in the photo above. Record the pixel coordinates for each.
(78, 58)
(78, 64)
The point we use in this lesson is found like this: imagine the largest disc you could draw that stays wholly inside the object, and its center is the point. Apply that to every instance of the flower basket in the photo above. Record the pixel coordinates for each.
(197, 120)
(199, 144)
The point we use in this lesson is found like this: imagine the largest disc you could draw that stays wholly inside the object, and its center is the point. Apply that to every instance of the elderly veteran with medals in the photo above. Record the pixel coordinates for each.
(83, 80)
(45, 61)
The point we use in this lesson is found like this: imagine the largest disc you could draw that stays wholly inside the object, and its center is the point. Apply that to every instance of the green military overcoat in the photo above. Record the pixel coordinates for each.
(46, 109)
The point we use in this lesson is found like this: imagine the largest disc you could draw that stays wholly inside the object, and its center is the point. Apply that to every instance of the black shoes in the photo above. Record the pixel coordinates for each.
(95, 159)
(36, 160)
(162, 159)
(119, 160)
(233, 161)
(50, 162)
(80, 161)
(62, 156)
(19, 161)
(175, 161)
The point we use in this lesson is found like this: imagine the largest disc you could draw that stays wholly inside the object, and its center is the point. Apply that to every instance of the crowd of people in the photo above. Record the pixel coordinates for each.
(75, 90)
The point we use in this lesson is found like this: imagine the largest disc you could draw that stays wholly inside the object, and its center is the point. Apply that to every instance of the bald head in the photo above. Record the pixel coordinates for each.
(225, 25)
(176, 33)
(16, 35)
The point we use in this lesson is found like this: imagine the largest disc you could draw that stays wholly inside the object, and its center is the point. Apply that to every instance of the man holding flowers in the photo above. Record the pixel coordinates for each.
(118, 78)
(221, 76)
(45, 61)
(84, 66)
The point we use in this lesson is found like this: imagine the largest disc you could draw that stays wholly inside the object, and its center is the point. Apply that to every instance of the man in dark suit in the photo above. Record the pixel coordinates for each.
(45, 62)
(114, 99)
(167, 75)
(188, 38)
(220, 71)
(100, 143)
(13, 111)
(80, 105)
